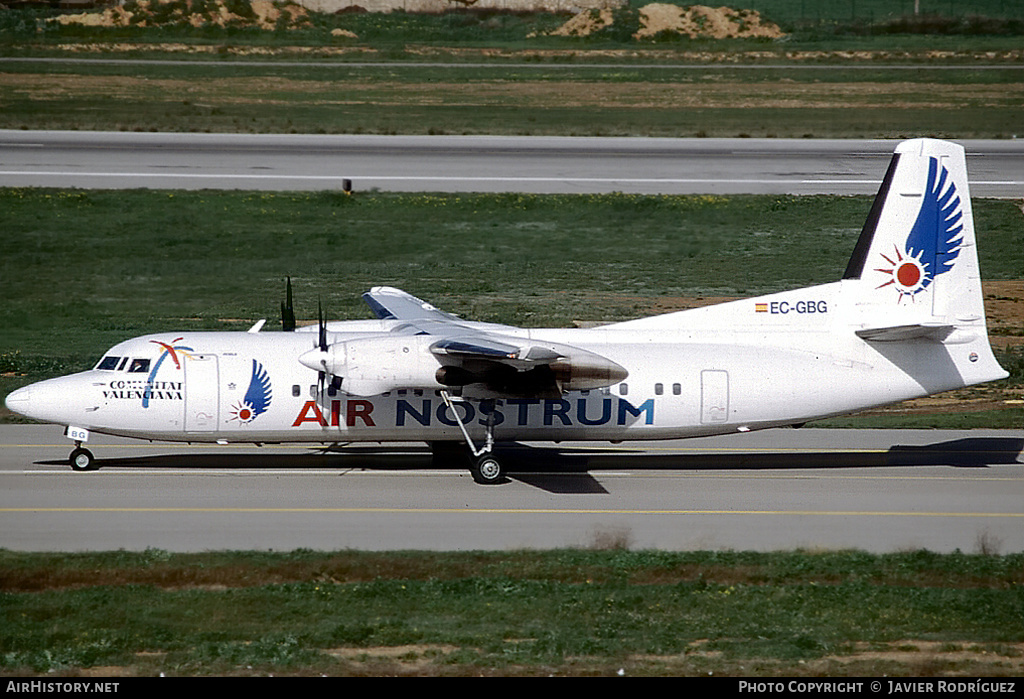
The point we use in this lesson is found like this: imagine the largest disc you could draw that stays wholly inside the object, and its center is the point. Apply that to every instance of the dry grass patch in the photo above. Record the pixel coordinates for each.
(525, 93)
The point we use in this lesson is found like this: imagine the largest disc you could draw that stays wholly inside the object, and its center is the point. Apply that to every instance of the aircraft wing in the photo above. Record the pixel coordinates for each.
(429, 349)
(387, 302)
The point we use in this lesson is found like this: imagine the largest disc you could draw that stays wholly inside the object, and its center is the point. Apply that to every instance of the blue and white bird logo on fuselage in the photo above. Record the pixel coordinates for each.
(257, 396)
(934, 241)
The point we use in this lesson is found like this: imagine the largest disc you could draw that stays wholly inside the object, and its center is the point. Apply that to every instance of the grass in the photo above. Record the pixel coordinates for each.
(84, 268)
(794, 12)
(557, 612)
(1006, 418)
(841, 72)
(173, 257)
(539, 100)
(973, 25)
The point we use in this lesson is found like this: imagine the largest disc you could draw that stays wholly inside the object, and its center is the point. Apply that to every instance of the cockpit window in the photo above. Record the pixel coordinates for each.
(108, 363)
(138, 366)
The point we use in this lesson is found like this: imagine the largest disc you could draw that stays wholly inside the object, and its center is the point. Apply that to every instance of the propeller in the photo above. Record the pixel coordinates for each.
(318, 357)
(322, 344)
(321, 325)
(287, 311)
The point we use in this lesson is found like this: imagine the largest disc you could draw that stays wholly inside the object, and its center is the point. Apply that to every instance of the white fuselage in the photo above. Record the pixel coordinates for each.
(776, 360)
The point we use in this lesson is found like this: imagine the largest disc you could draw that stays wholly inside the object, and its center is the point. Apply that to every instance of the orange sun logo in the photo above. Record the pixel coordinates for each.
(242, 412)
(909, 275)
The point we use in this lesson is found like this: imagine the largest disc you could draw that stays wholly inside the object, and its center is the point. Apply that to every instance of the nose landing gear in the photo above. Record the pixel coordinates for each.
(82, 459)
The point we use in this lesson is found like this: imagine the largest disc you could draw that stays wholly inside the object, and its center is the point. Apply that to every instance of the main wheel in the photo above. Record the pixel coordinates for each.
(82, 460)
(487, 470)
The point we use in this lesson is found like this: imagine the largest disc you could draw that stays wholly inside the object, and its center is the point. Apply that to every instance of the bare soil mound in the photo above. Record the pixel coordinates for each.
(696, 21)
(263, 14)
(706, 22)
(585, 23)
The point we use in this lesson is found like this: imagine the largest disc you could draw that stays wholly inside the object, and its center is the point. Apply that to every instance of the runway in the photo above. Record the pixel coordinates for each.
(874, 490)
(113, 160)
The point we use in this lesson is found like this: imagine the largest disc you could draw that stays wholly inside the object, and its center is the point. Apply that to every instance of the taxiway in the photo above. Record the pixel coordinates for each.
(875, 490)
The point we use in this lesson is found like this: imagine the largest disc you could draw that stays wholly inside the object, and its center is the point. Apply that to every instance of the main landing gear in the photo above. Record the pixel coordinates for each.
(487, 470)
(484, 465)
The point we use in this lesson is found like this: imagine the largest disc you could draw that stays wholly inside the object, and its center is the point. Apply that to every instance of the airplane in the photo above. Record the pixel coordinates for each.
(905, 320)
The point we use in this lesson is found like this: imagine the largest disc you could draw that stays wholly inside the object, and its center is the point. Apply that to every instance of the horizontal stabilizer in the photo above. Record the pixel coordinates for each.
(899, 333)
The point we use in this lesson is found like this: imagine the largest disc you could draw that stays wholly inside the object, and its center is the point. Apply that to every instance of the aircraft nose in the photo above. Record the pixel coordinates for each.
(49, 401)
(18, 401)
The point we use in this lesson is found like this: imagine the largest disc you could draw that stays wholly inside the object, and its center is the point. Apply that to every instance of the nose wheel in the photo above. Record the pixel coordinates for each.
(82, 460)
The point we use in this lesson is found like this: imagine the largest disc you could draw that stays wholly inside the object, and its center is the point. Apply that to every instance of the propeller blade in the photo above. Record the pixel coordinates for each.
(323, 326)
(287, 310)
(322, 375)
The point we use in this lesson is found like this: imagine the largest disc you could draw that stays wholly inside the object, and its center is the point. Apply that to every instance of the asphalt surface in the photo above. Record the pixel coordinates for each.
(112, 160)
(874, 490)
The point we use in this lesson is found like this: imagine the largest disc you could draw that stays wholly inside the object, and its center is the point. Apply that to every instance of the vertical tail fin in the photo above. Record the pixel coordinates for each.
(914, 271)
(917, 255)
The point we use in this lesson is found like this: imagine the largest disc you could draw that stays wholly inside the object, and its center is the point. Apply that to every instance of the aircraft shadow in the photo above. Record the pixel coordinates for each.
(567, 470)
(553, 465)
(970, 452)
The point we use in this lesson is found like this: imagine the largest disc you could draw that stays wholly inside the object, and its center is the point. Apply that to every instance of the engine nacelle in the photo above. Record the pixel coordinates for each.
(455, 376)
(587, 371)
(369, 366)
(373, 365)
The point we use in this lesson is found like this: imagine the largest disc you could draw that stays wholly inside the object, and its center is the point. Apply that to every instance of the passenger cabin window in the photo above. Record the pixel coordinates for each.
(623, 389)
(658, 389)
(138, 366)
(677, 389)
(108, 363)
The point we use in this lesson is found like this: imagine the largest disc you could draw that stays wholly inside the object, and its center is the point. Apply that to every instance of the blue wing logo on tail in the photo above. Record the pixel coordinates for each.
(934, 241)
(257, 396)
